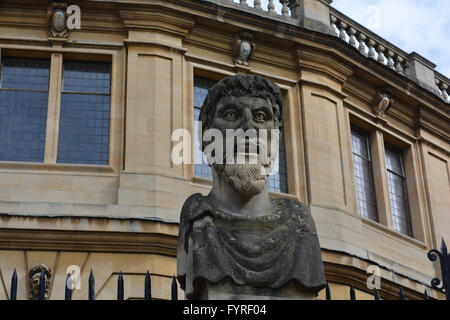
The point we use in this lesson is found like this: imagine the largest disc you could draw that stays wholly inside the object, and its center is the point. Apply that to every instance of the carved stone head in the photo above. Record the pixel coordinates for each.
(254, 105)
(34, 276)
(57, 18)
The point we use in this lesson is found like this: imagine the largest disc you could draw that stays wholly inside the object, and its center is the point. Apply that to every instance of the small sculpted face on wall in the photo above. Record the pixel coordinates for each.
(34, 276)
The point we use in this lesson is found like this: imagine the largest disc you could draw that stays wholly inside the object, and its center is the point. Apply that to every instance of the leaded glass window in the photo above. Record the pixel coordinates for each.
(85, 113)
(201, 87)
(23, 109)
(397, 190)
(277, 181)
(365, 189)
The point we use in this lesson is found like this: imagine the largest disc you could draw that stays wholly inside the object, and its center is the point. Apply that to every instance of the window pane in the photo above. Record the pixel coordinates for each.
(23, 113)
(397, 191)
(277, 181)
(87, 77)
(363, 175)
(84, 118)
(25, 74)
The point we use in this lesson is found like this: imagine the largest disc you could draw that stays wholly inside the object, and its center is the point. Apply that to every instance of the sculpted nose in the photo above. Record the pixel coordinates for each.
(247, 121)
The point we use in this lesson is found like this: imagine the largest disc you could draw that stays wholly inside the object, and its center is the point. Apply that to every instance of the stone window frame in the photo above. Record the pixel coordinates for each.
(195, 69)
(55, 91)
(379, 136)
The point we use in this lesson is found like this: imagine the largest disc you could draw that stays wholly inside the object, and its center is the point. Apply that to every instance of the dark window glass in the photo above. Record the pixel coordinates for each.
(201, 87)
(85, 113)
(23, 109)
(397, 190)
(365, 190)
(277, 181)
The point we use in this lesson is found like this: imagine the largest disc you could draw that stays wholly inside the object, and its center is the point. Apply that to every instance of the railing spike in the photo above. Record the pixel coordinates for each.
(377, 294)
(148, 287)
(41, 292)
(13, 292)
(352, 293)
(91, 286)
(443, 247)
(402, 296)
(120, 287)
(68, 290)
(174, 289)
(328, 292)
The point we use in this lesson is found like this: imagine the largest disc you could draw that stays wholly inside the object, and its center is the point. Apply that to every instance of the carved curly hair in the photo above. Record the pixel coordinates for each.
(238, 86)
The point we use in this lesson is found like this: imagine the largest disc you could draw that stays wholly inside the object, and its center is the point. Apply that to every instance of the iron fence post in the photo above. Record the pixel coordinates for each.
(174, 289)
(444, 258)
(68, 290)
(91, 286)
(148, 287)
(120, 287)
(13, 292)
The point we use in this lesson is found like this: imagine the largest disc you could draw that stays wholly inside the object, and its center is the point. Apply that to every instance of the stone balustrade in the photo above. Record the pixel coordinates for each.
(373, 46)
(369, 44)
(257, 6)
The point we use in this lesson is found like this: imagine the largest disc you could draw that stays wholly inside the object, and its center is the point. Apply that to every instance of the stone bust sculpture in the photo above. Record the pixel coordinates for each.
(237, 241)
(34, 277)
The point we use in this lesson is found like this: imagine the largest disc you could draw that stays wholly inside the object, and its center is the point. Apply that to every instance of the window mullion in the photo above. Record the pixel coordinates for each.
(380, 178)
(54, 105)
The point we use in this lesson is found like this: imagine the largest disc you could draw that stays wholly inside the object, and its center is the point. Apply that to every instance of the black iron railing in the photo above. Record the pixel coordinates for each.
(444, 258)
(437, 284)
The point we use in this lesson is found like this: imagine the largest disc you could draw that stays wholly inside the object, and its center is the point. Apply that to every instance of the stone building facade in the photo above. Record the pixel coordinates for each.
(87, 115)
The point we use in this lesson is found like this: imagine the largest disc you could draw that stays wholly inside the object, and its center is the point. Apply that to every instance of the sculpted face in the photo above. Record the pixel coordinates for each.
(252, 115)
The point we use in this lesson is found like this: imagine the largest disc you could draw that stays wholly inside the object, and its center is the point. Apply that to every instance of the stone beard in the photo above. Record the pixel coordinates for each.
(238, 236)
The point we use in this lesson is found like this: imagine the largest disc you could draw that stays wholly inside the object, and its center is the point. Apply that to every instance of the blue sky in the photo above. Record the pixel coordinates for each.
(422, 26)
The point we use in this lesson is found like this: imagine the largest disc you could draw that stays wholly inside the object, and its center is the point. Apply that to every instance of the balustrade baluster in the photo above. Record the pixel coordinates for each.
(334, 22)
(380, 50)
(285, 8)
(342, 34)
(271, 7)
(257, 4)
(243, 3)
(390, 60)
(399, 64)
(362, 39)
(371, 44)
(443, 87)
(352, 33)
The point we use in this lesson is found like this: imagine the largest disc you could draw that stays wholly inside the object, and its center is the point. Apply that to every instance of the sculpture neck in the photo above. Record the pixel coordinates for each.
(230, 200)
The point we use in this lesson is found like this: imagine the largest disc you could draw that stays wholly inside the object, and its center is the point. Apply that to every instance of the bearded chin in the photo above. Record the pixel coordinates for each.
(247, 179)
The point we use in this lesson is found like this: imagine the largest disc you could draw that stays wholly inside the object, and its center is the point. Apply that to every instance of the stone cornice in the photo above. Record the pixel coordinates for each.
(156, 19)
(323, 62)
(70, 240)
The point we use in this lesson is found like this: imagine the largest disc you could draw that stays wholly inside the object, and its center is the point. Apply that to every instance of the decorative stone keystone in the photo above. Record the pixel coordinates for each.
(312, 14)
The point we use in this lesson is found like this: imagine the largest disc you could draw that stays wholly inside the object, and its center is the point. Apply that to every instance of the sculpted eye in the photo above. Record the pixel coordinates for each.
(230, 115)
(260, 116)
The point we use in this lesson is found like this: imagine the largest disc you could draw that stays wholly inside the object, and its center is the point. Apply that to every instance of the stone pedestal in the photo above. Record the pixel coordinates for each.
(229, 291)
(312, 14)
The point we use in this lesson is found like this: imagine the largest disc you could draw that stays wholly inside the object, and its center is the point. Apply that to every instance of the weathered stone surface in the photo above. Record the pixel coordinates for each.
(261, 252)
(237, 243)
